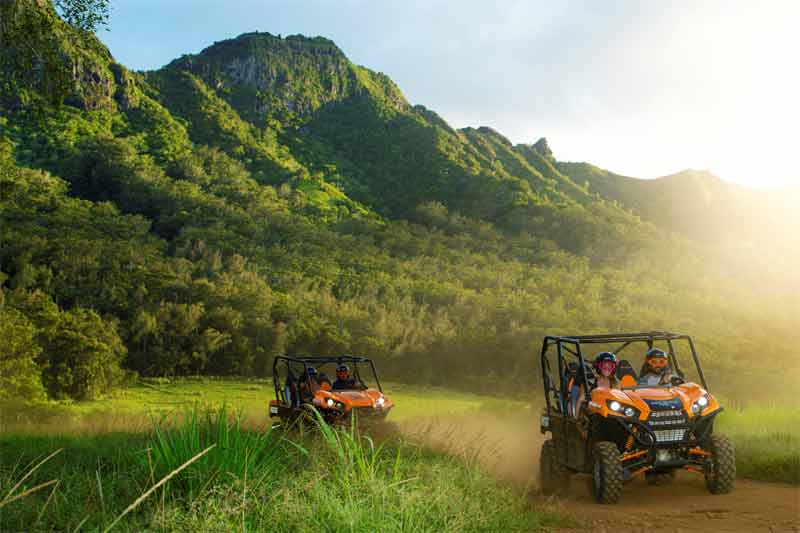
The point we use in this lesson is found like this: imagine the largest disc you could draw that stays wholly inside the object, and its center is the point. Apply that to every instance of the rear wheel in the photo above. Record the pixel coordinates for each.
(606, 472)
(720, 467)
(553, 477)
(660, 478)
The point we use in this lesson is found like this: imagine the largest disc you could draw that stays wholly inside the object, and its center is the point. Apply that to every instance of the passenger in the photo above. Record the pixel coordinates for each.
(577, 391)
(343, 379)
(655, 370)
(605, 366)
(309, 384)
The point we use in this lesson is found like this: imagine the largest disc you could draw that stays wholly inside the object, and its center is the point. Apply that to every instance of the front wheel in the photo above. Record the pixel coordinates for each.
(720, 467)
(553, 477)
(606, 473)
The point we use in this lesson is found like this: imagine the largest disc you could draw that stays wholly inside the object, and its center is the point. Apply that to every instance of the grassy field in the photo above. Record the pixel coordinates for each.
(767, 441)
(112, 451)
(132, 409)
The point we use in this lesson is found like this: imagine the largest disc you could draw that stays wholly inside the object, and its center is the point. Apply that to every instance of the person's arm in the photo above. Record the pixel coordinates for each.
(581, 400)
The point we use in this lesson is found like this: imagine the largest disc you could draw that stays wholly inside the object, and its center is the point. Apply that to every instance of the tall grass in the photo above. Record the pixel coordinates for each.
(205, 472)
(767, 441)
(237, 452)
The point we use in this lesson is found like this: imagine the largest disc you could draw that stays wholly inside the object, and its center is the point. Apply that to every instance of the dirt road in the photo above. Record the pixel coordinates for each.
(509, 448)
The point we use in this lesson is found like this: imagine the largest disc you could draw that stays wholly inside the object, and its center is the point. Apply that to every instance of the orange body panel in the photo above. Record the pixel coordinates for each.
(351, 399)
(688, 393)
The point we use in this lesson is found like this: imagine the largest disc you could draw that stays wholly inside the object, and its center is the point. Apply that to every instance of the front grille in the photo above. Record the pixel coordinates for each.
(669, 435)
(668, 423)
(662, 423)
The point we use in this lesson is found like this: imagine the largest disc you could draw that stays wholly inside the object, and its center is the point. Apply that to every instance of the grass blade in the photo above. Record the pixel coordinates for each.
(27, 492)
(46, 503)
(26, 476)
(169, 476)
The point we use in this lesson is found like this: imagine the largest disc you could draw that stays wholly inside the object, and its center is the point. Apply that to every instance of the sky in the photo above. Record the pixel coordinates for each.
(640, 88)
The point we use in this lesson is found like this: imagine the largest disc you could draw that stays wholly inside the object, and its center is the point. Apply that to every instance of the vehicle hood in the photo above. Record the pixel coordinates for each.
(647, 399)
(358, 398)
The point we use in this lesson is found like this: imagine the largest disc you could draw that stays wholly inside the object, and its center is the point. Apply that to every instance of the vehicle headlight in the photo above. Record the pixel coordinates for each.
(620, 408)
(380, 401)
(330, 402)
(700, 404)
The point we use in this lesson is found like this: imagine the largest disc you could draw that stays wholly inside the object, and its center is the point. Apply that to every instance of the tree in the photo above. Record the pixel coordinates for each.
(20, 376)
(84, 353)
(86, 15)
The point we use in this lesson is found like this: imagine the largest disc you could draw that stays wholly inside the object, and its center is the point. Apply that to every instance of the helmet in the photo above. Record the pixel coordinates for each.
(342, 368)
(603, 359)
(311, 371)
(656, 359)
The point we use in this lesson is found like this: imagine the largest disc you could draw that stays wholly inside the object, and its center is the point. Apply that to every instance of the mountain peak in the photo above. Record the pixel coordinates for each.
(251, 43)
(265, 76)
(542, 148)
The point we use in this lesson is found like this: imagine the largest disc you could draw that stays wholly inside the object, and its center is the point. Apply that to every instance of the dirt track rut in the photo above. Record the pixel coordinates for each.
(509, 448)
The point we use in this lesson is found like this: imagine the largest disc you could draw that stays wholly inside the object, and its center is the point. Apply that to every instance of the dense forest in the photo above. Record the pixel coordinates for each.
(268, 196)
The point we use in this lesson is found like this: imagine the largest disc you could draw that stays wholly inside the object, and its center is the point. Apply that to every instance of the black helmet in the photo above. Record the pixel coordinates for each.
(343, 368)
(604, 356)
(311, 371)
(655, 352)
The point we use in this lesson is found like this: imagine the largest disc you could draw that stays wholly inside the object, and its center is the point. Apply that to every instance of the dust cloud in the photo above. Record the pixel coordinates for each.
(506, 445)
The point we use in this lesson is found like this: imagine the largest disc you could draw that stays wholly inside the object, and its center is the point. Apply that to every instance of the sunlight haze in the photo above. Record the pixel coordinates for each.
(642, 89)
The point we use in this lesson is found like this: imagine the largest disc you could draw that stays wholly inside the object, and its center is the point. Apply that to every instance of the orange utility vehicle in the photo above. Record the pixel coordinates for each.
(303, 382)
(636, 427)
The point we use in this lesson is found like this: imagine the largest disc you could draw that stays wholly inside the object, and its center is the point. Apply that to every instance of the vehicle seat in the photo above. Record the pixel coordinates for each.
(626, 374)
(287, 393)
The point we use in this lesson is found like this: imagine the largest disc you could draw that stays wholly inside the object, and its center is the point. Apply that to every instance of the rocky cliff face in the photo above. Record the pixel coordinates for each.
(42, 56)
(263, 76)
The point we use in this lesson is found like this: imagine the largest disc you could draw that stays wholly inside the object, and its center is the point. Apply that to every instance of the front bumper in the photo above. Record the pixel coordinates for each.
(688, 433)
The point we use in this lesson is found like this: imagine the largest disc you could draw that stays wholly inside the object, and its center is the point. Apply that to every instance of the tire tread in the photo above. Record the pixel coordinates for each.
(721, 470)
(608, 455)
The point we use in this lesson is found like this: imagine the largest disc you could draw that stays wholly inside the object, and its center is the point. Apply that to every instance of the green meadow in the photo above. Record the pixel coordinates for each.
(248, 476)
(93, 466)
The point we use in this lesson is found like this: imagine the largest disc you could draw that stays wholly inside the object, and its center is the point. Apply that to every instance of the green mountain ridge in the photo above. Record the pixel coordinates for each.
(696, 203)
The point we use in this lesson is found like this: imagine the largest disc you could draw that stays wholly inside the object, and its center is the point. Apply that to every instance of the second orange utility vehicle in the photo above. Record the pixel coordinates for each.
(650, 424)
(305, 382)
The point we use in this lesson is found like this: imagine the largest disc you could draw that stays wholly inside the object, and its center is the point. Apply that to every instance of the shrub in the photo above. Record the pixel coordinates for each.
(20, 376)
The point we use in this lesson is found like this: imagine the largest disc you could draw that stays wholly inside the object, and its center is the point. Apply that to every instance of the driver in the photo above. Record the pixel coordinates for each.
(655, 369)
(343, 379)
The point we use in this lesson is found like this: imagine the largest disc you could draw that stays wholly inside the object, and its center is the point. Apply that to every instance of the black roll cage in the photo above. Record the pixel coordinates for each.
(572, 344)
(316, 361)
